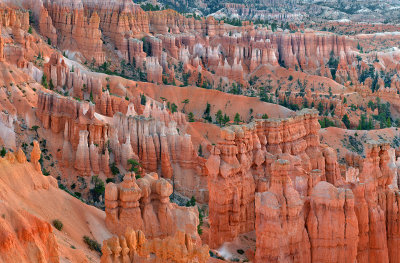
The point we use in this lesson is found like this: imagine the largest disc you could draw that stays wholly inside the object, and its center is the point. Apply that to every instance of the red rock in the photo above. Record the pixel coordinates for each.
(82, 159)
(134, 247)
(332, 224)
(26, 238)
(280, 227)
(143, 204)
(46, 26)
(35, 156)
(72, 23)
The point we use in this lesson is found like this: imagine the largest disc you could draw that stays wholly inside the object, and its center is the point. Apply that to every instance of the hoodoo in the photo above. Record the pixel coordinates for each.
(199, 131)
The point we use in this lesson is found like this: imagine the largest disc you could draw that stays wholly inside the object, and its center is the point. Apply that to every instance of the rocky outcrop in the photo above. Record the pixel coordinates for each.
(2, 56)
(332, 224)
(81, 130)
(143, 204)
(55, 111)
(80, 25)
(152, 139)
(134, 247)
(307, 50)
(25, 238)
(79, 84)
(82, 160)
(354, 222)
(46, 26)
(158, 145)
(121, 21)
(280, 227)
(35, 155)
(240, 165)
(375, 204)
(71, 29)
(154, 70)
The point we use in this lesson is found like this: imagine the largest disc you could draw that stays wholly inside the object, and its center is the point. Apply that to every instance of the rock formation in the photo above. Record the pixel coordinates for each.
(332, 224)
(280, 226)
(240, 165)
(143, 204)
(77, 30)
(305, 200)
(134, 247)
(35, 155)
(25, 238)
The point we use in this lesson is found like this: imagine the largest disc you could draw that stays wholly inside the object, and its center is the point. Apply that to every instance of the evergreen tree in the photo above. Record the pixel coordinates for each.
(362, 124)
(219, 118)
(371, 105)
(346, 121)
(305, 103)
(142, 99)
(237, 118)
(3, 152)
(320, 108)
(388, 123)
(185, 101)
(191, 117)
(134, 165)
(174, 108)
(226, 119)
(44, 81)
(206, 114)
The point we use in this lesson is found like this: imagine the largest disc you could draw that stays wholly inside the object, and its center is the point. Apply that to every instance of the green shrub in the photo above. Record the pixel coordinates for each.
(3, 152)
(99, 187)
(44, 81)
(201, 221)
(143, 99)
(110, 180)
(191, 117)
(199, 230)
(58, 224)
(191, 202)
(114, 169)
(134, 165)
(92, 244)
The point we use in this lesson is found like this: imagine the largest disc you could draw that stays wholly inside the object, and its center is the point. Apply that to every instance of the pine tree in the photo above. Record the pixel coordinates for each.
(226, 119)
(346, 121)
(388, 123)
(237, 118)
(320, 108)
(191, 117)
(219, 117)
(174, 108)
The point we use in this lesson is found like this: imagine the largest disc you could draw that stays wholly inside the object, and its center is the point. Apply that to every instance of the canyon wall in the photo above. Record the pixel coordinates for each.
(226, 51)
(351, 222)
(241, 165)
